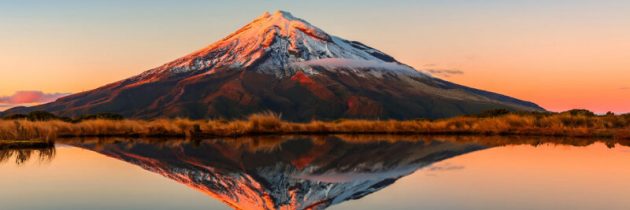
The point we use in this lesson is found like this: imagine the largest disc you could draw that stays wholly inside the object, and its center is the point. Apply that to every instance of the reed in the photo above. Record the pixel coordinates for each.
(532, 124)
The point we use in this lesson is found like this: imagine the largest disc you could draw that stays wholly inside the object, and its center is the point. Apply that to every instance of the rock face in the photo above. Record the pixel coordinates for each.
(283, 64)
(293, 173)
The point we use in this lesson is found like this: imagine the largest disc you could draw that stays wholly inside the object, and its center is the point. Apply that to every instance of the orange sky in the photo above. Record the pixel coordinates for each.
(561, 55)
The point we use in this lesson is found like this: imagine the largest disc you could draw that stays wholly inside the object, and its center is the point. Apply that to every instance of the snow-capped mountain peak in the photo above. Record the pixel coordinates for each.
(282, 44)
(284, 24)
(281, 63)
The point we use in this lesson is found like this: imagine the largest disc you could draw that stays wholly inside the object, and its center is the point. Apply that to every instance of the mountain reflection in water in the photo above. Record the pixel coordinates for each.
(288, 172)
(285, 173)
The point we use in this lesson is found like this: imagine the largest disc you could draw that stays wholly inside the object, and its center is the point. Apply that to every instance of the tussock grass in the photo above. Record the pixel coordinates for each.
(567, 124)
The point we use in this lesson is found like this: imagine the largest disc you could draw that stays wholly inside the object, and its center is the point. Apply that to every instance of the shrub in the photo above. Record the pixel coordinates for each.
(265, 122)
(101, 116)
(580, 112)
(494, 113)
(41, 116)
(16, 117)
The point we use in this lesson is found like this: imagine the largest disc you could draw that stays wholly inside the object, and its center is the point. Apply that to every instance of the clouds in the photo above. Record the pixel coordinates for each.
(21, 98)
(624, 88)
(445, 72)
(445, 167)
(439, 168)
(436, 70)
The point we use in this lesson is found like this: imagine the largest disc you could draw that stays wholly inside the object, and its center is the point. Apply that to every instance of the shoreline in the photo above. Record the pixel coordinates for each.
(529, 124)
(271, 134)
(267, 141)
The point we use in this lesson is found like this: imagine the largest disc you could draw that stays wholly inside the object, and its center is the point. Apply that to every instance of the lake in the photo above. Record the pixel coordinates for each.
(318, 172)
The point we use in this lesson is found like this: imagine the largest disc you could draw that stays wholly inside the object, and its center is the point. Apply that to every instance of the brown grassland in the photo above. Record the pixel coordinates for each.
(568, 124)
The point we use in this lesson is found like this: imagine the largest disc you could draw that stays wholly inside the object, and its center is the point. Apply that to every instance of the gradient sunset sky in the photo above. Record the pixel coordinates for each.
(561, 54)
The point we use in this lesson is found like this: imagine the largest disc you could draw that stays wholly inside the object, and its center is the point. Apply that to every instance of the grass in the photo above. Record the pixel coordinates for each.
(568, 124)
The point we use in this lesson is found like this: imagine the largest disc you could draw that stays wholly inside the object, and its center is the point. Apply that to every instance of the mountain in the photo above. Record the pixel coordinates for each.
(294, 173)
(283, 64)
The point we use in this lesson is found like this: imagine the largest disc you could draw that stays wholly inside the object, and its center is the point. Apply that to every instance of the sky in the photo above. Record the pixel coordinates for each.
(560, 54)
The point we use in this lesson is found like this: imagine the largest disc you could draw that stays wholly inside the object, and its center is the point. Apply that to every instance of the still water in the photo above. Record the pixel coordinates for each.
(333, 172)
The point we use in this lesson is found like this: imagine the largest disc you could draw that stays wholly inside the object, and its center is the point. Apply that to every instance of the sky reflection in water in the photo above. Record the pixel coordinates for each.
(341, 172)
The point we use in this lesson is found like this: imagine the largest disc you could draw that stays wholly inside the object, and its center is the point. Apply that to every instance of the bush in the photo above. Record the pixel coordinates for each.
(580, 112)
(41, 116)
(494, 113)
(265, 122)
(16, 117)
(101, 116)
(47, 116)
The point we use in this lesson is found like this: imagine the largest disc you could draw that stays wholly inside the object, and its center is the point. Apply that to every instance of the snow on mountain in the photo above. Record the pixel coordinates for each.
(279, 41)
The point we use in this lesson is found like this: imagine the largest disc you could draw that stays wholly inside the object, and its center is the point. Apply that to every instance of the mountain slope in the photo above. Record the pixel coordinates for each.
(283, 64)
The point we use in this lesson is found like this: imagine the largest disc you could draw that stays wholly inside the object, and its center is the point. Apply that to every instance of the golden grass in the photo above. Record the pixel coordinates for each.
(564, 124)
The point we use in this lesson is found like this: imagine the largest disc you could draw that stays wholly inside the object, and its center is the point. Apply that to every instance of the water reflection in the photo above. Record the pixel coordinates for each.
(290, 172)
(285, 173)
(22, 154)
